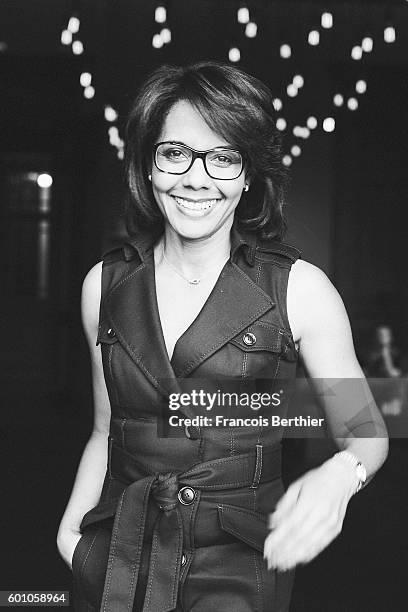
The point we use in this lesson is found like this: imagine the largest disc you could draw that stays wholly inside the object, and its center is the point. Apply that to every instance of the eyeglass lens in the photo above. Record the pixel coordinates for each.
(177, 159)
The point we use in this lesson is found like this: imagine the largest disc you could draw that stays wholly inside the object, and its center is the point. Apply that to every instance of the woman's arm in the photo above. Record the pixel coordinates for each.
(311, 513)
(91, 471)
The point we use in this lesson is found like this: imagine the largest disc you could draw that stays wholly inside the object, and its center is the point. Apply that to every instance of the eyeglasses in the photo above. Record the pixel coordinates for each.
(177, 158)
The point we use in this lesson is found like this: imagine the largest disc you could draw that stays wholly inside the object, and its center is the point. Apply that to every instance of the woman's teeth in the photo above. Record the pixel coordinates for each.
(190, 205)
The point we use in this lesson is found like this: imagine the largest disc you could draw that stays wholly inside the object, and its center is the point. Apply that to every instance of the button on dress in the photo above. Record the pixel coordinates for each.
(182, 517)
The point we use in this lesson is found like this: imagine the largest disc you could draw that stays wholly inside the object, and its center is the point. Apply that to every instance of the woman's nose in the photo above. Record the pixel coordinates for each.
(197, 176)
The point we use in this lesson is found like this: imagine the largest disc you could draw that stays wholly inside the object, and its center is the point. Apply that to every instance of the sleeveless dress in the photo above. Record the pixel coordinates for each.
(182, 517)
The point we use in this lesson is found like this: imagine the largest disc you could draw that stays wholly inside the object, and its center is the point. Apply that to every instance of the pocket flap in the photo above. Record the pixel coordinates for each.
(259, 337)
(106, 333)
(247, 525)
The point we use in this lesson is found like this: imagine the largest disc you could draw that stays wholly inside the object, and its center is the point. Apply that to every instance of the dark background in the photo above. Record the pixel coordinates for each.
(346, 211)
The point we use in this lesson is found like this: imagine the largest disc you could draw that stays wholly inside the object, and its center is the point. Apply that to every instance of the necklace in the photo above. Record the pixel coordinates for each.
(191, 281)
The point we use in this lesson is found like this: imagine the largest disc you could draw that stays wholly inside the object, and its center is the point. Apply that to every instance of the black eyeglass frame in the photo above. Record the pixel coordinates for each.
(198, 154)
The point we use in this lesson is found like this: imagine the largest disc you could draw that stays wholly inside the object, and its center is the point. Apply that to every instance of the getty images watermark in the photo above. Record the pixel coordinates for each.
(214, 401)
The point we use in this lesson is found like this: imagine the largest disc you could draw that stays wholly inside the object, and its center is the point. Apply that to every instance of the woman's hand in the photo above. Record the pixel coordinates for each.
(309, 515)
(67, 540)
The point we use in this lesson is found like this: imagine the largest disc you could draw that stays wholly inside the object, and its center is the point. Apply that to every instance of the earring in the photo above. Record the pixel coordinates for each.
(246, 188)
(149, 176)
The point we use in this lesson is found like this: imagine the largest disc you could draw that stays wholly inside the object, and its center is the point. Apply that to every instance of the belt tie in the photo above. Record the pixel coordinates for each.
(130, 512)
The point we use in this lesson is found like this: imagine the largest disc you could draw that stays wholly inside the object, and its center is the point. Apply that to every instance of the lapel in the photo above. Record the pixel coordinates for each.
(235, 302)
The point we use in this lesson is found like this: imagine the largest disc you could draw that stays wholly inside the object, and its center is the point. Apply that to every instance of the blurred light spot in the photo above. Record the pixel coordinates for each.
(85, 79)
(44, 180)
(291, 90)
(296, 150)
(165, 35)
(389, 34)
(287, 160)
(329, 124)
(367, 44)
(298, 81)
(357, 53)
(160, 14)
(234, 54)
(77, 47)
(73, 25)
(281, 124)
(110, 114)
(251, 29)
(243, 14)
(327, 20)
(352, 103)
(313, 38)
(338, 100)
(66, 37)
(157, 41)
(277, 104)
(285, 51)
(89, 92)
(312, 123)
(361, 86)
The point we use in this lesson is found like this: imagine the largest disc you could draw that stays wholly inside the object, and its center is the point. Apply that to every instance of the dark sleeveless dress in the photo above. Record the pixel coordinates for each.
(182, 518)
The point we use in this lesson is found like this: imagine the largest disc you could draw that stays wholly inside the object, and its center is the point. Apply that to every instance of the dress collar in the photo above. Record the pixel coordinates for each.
(142, 243)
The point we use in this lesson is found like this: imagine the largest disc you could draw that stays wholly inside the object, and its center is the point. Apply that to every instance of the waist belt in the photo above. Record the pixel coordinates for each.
(245, 470)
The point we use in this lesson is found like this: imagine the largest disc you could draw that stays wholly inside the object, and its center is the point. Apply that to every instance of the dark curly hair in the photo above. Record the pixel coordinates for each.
(234, 104)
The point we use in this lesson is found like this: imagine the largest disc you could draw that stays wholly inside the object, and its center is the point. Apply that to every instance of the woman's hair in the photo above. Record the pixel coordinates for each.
(235, 105)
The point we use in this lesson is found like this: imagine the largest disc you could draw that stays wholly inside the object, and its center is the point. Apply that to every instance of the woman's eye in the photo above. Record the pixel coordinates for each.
(223, 160)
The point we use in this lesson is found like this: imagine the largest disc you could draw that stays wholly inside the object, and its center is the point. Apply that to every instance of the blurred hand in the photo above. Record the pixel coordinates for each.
(309, 515)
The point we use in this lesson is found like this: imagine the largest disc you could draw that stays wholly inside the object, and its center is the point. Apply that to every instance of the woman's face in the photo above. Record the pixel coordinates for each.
(194, 204)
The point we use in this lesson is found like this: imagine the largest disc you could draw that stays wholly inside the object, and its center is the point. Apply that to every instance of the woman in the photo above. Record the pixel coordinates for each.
(205, 289)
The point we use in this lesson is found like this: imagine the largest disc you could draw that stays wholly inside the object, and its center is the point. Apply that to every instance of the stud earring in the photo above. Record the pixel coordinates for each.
(246, 188)
(149, 176)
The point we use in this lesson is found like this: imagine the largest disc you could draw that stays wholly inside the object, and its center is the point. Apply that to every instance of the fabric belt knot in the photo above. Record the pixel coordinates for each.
(165, 489)
(130, 511)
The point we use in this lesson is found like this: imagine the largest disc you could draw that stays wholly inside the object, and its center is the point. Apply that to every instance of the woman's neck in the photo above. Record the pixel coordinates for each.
(196, 257)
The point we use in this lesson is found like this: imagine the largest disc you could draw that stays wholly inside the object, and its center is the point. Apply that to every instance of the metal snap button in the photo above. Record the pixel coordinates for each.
(183, 560)
(249, 339)
(111, 333)
(186, 496)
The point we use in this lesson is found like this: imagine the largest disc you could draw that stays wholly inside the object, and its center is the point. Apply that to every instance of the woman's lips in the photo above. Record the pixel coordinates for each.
(196, 205)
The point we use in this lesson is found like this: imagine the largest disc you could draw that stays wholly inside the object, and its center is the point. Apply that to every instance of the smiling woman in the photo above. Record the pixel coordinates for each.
(203, 292)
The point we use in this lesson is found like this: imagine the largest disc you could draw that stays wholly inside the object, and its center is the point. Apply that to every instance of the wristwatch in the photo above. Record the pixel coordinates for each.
(361, 472)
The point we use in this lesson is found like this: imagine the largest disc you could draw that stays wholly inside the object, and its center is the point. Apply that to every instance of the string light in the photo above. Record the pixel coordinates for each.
(311, 123)
(389, 34)
(357, 53)
(327, 20)
(352, 104)
(285, 51)
(89, 92)
(234, 54)
(367, 44)
(160, 14)
(329, 124)
(66, 37)
(157, 41)
(313, 38)
(85, 79)
(361, 86)
(338, 100)
(298, 81)
(251, 29)
(73, 25)
(77, 47)
(165, 35)
(44, 180)
(286, 160)
(296, 150)
(243, 14)
(281, 124)
(301, 132)
(291, 90)
(277, 104)
(110, 114)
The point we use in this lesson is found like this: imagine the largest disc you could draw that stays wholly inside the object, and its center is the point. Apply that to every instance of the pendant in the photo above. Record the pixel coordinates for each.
(194, 281)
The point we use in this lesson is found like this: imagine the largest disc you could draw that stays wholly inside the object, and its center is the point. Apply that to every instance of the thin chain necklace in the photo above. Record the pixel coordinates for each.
(191, 281)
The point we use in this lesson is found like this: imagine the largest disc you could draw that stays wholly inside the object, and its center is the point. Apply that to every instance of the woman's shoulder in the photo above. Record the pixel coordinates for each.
(311, 296)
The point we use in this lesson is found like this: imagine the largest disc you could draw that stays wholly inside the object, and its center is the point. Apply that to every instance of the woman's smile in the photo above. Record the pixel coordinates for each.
(192, 205)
